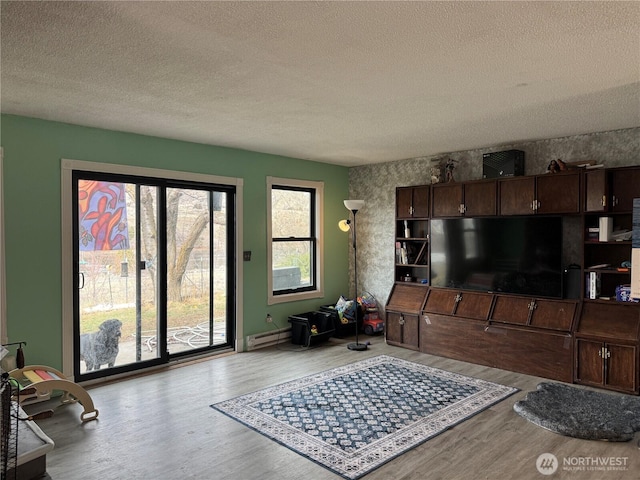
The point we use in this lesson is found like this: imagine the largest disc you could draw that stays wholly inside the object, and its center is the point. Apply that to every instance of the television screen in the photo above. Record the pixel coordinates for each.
(520, 255)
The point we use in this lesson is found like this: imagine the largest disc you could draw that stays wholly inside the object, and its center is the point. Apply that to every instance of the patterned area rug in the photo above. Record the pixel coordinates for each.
(354, 418)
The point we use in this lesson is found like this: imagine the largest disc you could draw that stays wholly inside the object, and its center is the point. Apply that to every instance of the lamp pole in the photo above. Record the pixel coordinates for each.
(354, 206)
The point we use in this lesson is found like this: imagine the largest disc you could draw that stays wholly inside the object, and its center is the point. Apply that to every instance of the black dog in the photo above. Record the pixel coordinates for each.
(101, 347)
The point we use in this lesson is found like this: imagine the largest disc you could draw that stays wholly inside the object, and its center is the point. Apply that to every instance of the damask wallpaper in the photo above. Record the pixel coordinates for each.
(376, 184)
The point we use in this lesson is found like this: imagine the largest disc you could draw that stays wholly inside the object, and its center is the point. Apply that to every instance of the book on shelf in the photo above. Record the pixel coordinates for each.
(605, 229)
(593, 285)
(401, 253)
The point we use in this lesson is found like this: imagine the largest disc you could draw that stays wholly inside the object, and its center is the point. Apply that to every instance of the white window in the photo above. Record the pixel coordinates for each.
(294, 230)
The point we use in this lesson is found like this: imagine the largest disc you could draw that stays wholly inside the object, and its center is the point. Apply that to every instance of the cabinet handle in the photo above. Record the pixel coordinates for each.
(411, 210)
(458, 298)
(604, 200)
(614, 200)
(401, 320)
(604, 353)
(535, 204)
(462, 208)
(532, 305)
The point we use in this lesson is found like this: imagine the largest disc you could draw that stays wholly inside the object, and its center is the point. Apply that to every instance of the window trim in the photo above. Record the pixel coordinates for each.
(318, 292)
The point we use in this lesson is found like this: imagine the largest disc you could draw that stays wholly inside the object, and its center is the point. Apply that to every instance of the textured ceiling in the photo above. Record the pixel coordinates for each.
(349, 83)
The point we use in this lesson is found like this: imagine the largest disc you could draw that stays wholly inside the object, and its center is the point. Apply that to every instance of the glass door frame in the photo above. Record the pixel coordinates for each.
(180, 179)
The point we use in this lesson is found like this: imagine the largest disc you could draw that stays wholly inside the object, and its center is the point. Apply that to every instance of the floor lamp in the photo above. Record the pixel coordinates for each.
(354, 206)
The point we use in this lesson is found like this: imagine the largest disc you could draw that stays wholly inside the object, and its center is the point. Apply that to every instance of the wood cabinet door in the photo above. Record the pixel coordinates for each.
(402, 329)
(480, 199)
(393, 328)
(458, 338)
(474, 305)
(613, 320)
(421, 201)
(441, 301)
(554, 315)
(539, 353)
(625, 186)
(516, 195)
(621, 368)
(596, 191)
(406, 298)
(447, 199)
(589, 363)
(558, 193)
(513, 310)
(404, 199)
(410, 331)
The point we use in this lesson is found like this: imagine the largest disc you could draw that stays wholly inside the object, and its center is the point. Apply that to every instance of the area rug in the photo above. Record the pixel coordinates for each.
(581, 413)
(355, 418)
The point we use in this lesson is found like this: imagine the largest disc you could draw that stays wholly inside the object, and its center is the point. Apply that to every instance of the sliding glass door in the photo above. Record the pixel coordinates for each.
(154, 269)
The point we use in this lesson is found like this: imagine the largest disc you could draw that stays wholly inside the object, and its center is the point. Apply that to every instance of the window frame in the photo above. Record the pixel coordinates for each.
(317, 201)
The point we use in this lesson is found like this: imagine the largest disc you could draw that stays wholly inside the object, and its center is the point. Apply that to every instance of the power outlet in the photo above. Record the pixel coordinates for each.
(269, 318)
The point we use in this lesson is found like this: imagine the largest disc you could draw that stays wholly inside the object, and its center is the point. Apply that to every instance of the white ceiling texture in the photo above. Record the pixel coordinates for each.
(348, 83)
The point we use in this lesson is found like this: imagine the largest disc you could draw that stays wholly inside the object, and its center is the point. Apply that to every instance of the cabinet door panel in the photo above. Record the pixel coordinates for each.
(474, 305)
(404, 198)
(621, 367)
(513, 310)
(447, 199)
(410, 333)
(558, 193)
(553, 315)
(480, 198)
(538, 353)
(406, 298)
(625, 185)
(615, 320)
(516, 196)
(393, 328)
(589, 364)
(402, 329)
(441, 301)
(421, 201)
(596, 191)
(456, 338)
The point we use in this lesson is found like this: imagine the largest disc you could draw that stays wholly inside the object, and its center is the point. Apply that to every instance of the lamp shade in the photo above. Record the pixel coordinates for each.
(344, 225)
(354, 205)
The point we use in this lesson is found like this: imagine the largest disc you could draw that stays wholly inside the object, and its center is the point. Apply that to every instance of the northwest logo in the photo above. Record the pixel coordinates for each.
(547, 464)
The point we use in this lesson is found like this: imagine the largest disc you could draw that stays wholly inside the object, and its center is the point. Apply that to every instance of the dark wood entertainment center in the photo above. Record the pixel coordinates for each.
(587, 341)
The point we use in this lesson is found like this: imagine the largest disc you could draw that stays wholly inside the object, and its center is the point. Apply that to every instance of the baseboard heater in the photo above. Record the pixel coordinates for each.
(267, 339)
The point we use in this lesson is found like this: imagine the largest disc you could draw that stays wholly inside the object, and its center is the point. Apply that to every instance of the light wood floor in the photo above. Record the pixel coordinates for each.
(161, 427)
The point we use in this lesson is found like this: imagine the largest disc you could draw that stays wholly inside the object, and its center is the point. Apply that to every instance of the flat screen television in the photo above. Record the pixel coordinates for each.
(519, 255)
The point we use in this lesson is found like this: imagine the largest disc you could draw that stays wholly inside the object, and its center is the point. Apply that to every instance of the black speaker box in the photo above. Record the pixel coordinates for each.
(509, 163)
(572, 281)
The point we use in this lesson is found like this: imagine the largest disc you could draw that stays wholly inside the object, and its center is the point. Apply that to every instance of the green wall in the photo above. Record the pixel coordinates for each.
(32, 152)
